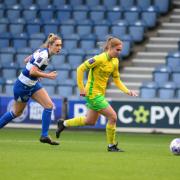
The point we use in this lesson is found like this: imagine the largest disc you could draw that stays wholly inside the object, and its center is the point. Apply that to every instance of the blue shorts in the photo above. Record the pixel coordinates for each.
(22, 92)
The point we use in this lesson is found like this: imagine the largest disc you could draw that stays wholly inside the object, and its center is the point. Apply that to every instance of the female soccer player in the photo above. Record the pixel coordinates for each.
(27, 85)
(100, 68)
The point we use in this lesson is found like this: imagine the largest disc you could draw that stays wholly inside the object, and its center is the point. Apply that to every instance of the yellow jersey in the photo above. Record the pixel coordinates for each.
(100, 67)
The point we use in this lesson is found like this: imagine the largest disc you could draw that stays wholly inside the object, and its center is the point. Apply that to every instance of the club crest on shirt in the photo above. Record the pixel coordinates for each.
(91, 61)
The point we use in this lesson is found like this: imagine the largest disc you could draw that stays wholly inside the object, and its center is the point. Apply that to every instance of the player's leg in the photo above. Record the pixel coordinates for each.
(42, 97)
(89, 119)
(18, 108)
(111, 128)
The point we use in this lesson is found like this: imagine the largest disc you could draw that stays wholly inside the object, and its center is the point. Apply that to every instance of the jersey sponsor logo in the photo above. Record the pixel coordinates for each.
(91, 61)
(39, 59)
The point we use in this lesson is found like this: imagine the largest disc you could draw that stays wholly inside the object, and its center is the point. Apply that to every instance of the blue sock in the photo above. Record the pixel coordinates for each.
(6, 118)
(46, 120)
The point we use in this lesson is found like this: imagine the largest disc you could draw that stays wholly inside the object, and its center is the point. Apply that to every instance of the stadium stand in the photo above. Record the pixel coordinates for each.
(24, 24)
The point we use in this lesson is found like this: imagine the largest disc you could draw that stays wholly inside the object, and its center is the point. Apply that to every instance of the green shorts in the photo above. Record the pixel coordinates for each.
(97, 103)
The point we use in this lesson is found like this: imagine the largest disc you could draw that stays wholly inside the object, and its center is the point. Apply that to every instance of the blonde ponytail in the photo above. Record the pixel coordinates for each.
(50, 40)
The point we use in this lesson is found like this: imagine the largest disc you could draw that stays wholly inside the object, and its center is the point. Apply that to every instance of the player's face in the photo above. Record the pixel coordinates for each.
(56, 46)
(115, 51)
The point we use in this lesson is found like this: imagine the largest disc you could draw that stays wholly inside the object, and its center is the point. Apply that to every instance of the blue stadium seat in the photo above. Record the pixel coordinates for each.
(5, 39)
(126, 4)
(69, 82)
(50, 89)
(63, 13)
(58, 60)
(10, 3)
(50, 26)
(26, 3)
(137, 30)
(62, 75)
(14, 12)
(30, 13)
(7, 56)
(36, 40)
(109, 3)
(80, 13)
(132, 14)
(92, 3)
(9, 89)
(172, 59)
(71, 41)
(178, 93)
(101, 30)
(114, 13)
(3, 25)
(119, 28)
(65, 91)
(58, 3)
(75, 57)
(17, 26)
(2, 10)
(127, 44)
(42, 3)
(87, 44)
(167, 90)
(75, 2)
(93, 52)
(162, 74)
(9, 73)
(176, 75)
(66, 29)
(47, 13)
(143, 4)
(149, 16)
(148, 90)
(163, 5)
(33, 26)
(20, 40)
(97, 13)
(84, 29)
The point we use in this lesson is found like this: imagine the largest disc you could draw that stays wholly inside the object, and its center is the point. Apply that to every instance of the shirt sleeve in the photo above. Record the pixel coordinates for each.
(92, 62)
(88, 64)
(40, 58)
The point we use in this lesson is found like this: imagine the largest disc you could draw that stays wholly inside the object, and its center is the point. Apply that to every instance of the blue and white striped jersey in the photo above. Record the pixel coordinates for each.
(39, 58)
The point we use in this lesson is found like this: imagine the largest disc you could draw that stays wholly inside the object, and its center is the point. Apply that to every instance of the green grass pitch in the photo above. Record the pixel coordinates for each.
(82, 155)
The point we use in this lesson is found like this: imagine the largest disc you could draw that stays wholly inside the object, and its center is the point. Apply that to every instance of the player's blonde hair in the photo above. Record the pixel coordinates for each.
(111, 42)
(50, 40)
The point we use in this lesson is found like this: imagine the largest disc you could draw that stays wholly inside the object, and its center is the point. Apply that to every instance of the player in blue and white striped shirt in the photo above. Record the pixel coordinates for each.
(27, 85)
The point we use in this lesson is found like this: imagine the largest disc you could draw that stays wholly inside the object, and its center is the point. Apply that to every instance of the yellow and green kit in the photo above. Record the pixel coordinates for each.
(100, 67)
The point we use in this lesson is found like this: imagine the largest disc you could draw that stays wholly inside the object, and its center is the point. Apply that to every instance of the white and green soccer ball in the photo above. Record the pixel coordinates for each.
(175, 146)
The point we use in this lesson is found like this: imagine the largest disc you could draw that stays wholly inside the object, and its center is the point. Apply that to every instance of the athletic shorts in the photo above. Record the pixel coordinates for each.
(22, 92)
(98, 103)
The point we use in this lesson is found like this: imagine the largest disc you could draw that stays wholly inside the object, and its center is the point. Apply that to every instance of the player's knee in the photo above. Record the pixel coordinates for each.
(49, 105)
(17, 112)
(113, 118)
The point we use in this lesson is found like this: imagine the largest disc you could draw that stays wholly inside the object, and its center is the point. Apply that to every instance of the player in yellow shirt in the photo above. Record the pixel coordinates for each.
(100, 68)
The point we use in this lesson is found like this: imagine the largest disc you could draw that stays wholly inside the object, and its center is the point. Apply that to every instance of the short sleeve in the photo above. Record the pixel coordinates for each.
(92, 62)
(40, 58)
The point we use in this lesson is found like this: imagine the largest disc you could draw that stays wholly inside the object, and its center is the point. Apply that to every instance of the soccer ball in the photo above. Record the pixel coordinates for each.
(175, 146)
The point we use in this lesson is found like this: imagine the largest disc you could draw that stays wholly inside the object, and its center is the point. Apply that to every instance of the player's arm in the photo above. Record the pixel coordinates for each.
(120, 84)
(27, 59)
(36, 72)
(39, 60)
(88, 64)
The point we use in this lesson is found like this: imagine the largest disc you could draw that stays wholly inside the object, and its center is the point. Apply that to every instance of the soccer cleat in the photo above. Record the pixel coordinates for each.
(114, 148)
(60, 128)
(48, 140)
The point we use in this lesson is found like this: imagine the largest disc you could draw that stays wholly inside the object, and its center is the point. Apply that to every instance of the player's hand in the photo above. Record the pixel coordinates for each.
(83, 93)
(52, 75)
(132, 93)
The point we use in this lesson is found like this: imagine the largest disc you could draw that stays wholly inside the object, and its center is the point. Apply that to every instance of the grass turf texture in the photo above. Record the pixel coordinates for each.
(82, 155)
